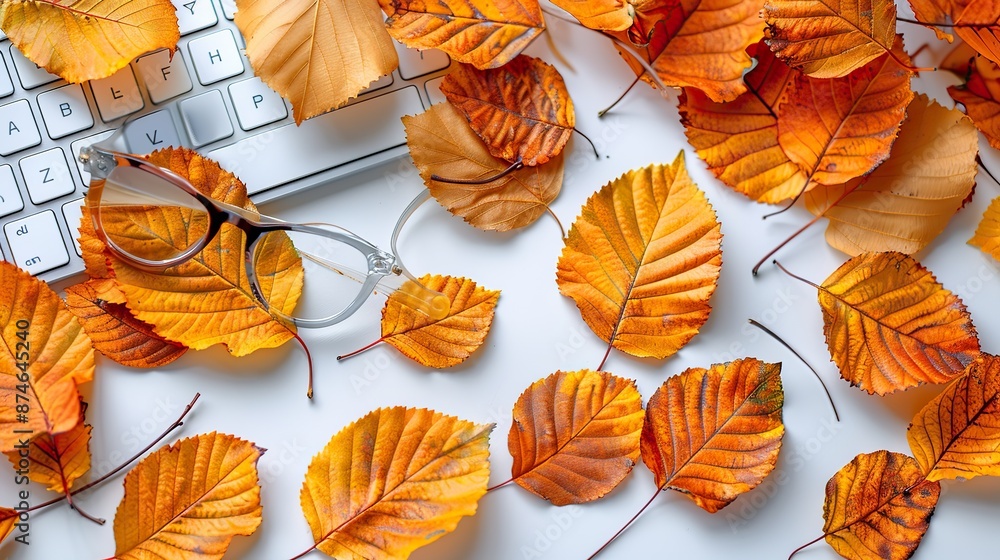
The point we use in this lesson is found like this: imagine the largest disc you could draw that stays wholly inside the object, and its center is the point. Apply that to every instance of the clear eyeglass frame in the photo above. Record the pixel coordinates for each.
(385, 269)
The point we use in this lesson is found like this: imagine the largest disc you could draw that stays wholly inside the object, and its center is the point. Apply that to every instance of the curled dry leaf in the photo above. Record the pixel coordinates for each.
(521, 110)
(484, 33)
(207, 300)
(424, 471)
(642, 260)
(57, 461)
(987, 235)
(115, 332)
(978, 24)
(575, 435)
(317, 54)
(714, 433)
(696, 44)
(838, 129)
(441, 143)
(890, 325)
(46, 356)
(830, 38)
(190, 498)
(907, 201)
(739, 140)
(878, 506)
(957, 434)
(980, 94)
(81, 40)
(602, 15)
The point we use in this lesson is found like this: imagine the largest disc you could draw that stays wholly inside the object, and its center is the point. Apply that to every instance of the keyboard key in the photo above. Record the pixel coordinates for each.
(151, 132)
(164, 78)
(433, 89)
(73, 211)
(117, 95)
(287, 153)
(205, 118)
(216, 57)
(65, 111)
(414, 63)
(30, 74)
(10, 197)
(256, 104)
(17, 128)
(229, 9)
(74, 152)
(46, 175)
(36, 243)
(195, 15)
(6, 85)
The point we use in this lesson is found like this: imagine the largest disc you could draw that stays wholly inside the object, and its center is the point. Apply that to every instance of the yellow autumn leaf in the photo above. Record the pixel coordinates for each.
(57, 461)
(643, 259)
(987, 235)
(46, 356)
(602, 15)
(188, 500)
(81, 40)
(423, 472)
(8, 522)
(318, 54)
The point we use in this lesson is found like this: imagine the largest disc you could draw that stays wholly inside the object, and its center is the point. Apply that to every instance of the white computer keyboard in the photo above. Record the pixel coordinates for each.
(206, 97)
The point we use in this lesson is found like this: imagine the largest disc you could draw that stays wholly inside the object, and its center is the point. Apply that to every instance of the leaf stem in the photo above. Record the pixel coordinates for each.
(501, 485)
(562, 230)
(604, 111)
(517, 165)
(785, 242)
(309, 359)
(790, 204)
(304, 552)
(606, 354)
(797, 277)
(805, 546)
(359, 350)
(630, 521)
(829, 397)
(982, 165)
(177, 423)
(591, 142)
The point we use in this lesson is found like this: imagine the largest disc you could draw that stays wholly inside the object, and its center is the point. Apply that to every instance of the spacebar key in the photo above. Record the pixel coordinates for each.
(350, 133)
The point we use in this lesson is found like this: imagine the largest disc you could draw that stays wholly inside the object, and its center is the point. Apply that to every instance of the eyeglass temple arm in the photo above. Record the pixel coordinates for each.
(414, 293)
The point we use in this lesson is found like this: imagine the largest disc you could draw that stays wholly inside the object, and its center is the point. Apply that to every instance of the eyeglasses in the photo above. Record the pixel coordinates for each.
(154, 219)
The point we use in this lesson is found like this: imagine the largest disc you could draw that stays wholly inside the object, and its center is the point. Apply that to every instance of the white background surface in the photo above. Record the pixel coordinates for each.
(536, 332)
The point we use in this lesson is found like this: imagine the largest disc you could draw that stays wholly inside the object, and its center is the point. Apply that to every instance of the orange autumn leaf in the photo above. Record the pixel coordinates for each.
(978, 24)
(207, 300)
(957, 434)
(878, 506)
(115, 332)
(890, 325)
(575, 435)
(81, 40)
(642, 260)
(57, 461)
(47, 355)
(442, 144)
(483, 33)
(696, 44)
(987, 235)
(602, 15)
(936, 11)
(189, 499)
(445, 342)
(423, 472)
(908, 200)
(830, 38)
(838, 129)
(8, 522)
(521, 110)
(739, 140)
(980, 94)
(714, 433)
(318, 54)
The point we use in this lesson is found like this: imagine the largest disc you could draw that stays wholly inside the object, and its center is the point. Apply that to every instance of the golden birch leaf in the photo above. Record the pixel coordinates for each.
(318, 54)
(207, 300)
(115, 332)
(830, 38)
(890, 325)
(739, 139)
(642, 260)
(441, 143)
(57, 461)
(878, 506)
(908, 200)
(393, 481)
(957, 434)
(483, 33)
(575, 435)
(80, 40)
(46, 355)
(987, 235)
(188, 500)
(978, 24)
(715, 433)
(602, 15)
